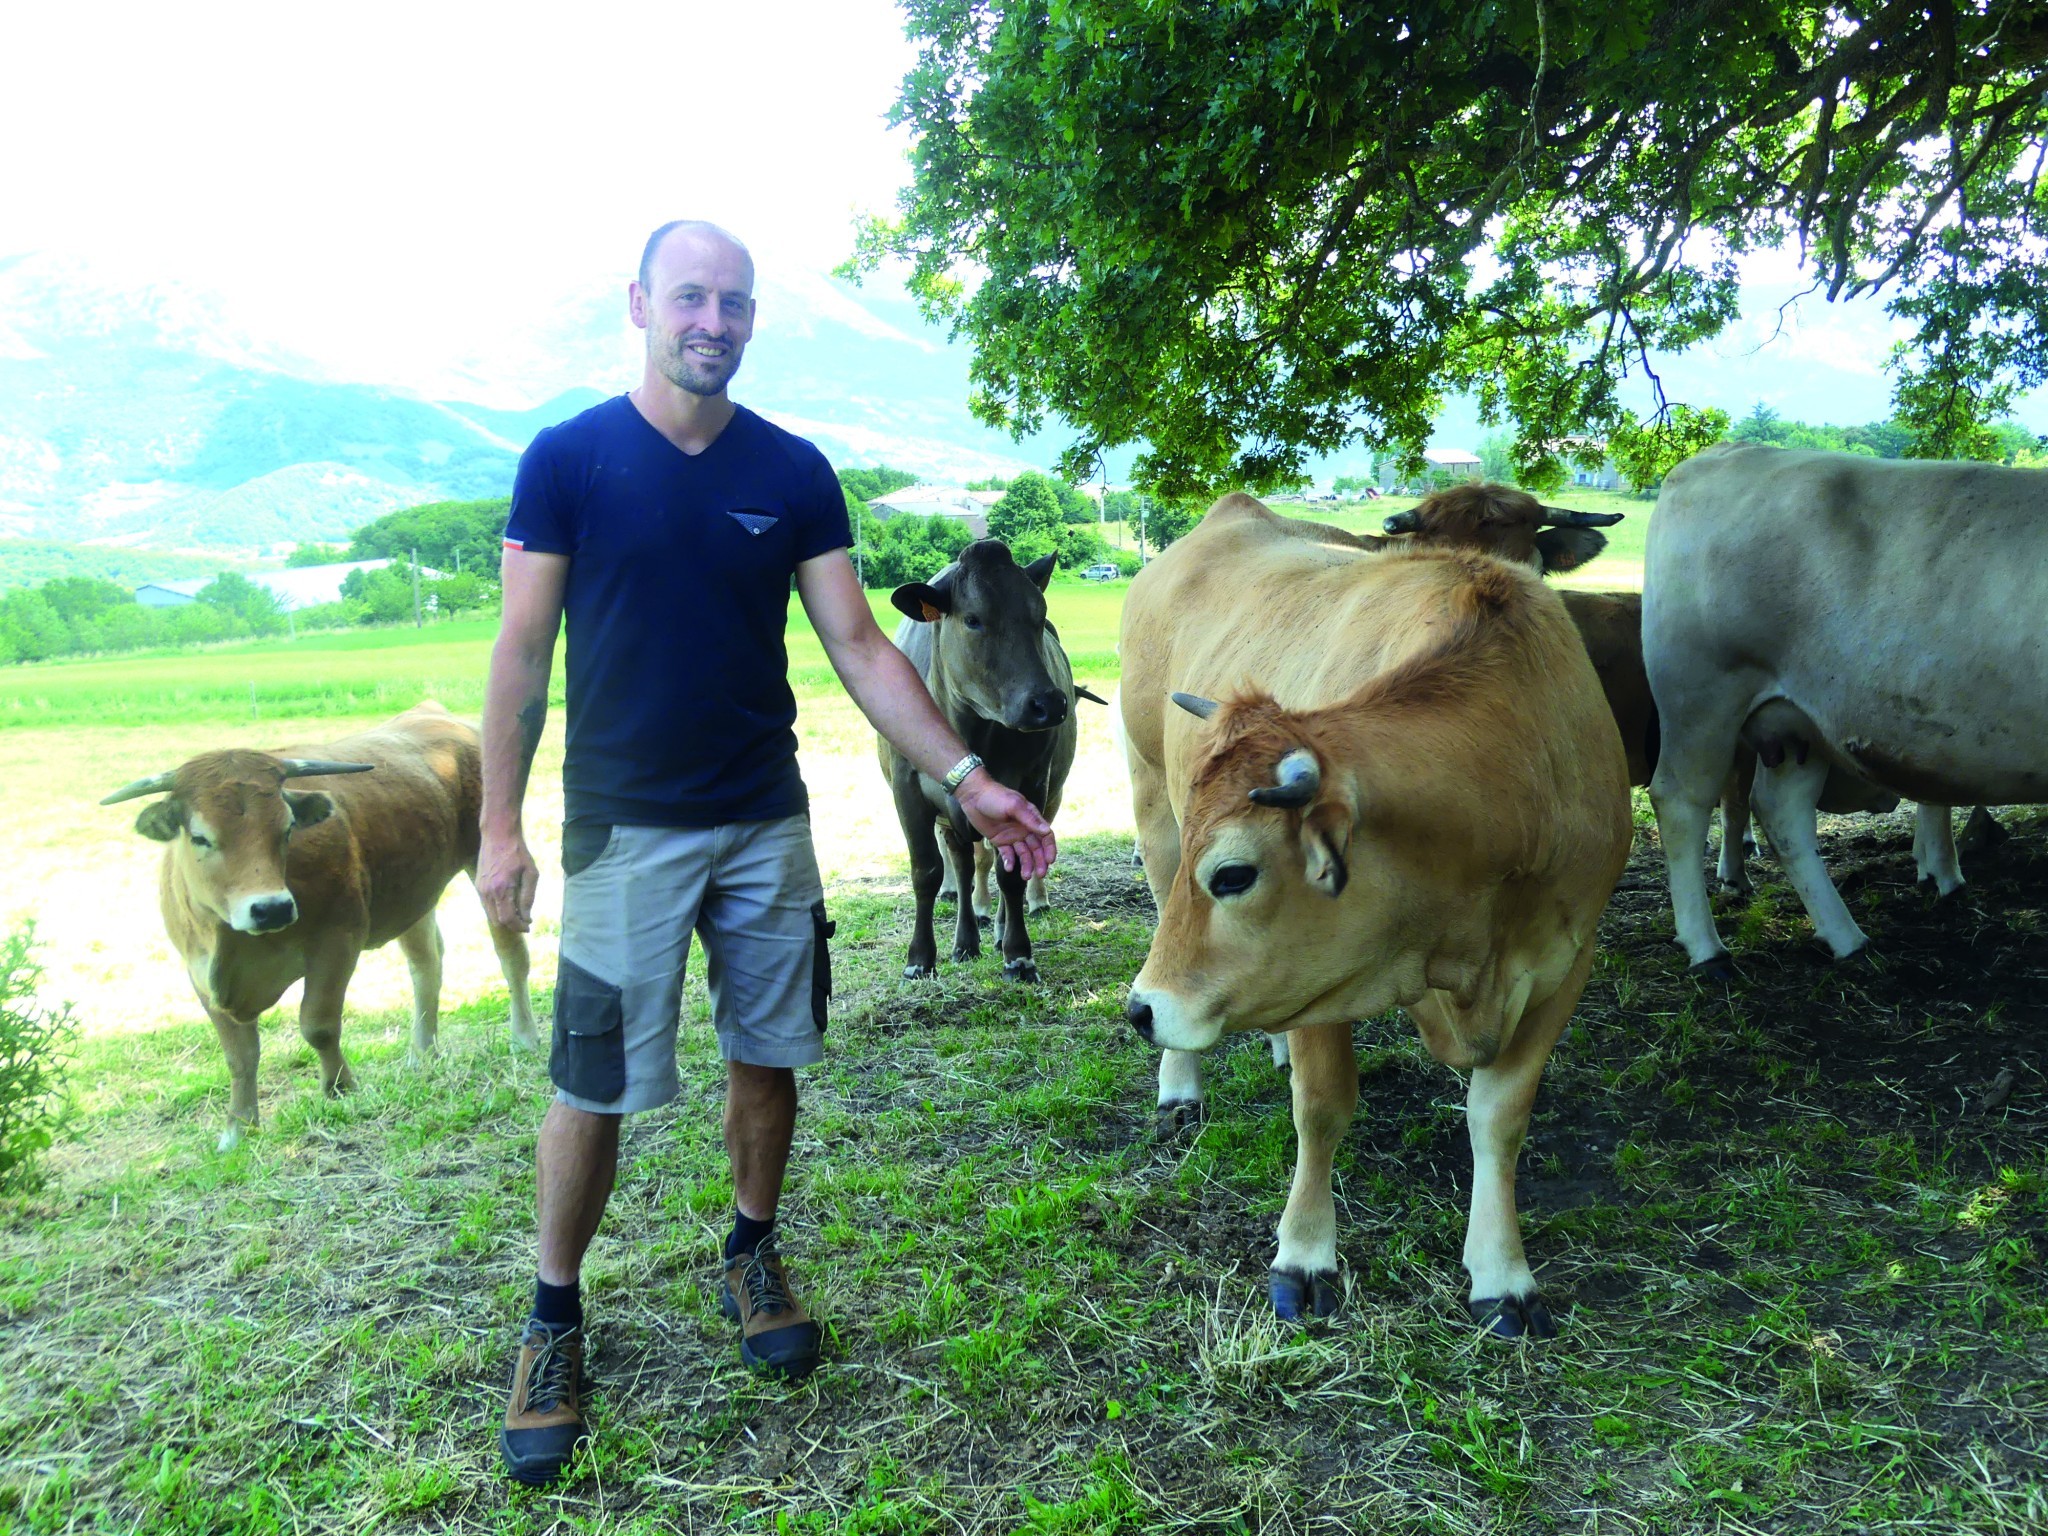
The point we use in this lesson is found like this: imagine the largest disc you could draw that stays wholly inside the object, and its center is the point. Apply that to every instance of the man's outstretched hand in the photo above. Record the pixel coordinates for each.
(1022, 838)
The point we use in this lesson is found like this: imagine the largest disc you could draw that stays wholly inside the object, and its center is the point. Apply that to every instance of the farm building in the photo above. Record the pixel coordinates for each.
(969, 507)
(304, 587)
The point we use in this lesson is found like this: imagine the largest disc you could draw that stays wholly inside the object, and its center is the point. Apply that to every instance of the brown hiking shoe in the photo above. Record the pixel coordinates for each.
(776, 1333)
(544, 1419)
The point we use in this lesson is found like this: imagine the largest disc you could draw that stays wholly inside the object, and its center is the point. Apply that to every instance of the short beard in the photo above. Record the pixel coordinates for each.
(675, 366)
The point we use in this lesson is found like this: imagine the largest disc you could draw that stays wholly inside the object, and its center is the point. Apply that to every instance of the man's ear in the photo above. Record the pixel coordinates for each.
(310, 807)
(1325, 838)
(1040, 570)
(1566, 549)
(162, 820)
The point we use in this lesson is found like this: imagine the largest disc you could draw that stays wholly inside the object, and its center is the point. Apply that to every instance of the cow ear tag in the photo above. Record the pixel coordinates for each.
(931, 614)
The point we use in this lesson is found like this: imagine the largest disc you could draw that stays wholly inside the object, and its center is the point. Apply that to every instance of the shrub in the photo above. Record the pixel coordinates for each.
(34, 1038)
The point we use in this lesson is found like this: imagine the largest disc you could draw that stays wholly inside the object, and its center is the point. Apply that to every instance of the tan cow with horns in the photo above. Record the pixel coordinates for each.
(1412, 794)
(263, 885)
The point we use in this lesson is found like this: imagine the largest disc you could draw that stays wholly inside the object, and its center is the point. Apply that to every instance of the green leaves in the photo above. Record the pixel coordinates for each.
(1240, 234)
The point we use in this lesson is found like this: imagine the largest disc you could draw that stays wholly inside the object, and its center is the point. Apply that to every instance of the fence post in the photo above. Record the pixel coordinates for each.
(416, 624)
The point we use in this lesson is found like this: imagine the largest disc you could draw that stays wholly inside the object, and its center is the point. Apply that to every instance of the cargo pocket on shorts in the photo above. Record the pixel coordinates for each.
(589, 1055)
(583, 844)
(821, 963)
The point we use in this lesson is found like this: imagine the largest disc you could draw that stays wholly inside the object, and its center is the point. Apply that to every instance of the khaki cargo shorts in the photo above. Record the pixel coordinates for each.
(750, 892)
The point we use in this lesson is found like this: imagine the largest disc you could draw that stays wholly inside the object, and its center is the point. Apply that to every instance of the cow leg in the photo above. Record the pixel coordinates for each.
(327, 977)
(966, 930)
(921, 837)
(1691, 767)
(1180, 1072)
(1736, 843)
(1934, 848)
(421, 946)
(984, 899)
(1788, 803)
(513, 962)
(1497, 1105)
(243, 1046)
(1304, 1278)
(1016, 938)
(1982, 831)
(1282, 1056)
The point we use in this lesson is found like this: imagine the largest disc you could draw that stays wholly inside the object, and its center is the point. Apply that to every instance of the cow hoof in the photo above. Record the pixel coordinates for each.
(983, 921)
(1740, 887)
(1296, 1295)
(1021, 970)
(527, 1039)
(916, 972)
(1714, 968)
(962, 954)
(230, 1138)
(1180, 1120)
(1860, 962)
(1513, 1317)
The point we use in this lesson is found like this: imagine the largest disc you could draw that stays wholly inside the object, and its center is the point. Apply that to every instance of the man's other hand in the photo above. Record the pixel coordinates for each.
(1022, 838)
(506, 878)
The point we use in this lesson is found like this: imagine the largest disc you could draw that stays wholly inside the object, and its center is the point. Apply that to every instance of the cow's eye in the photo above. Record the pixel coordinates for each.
(1232, 880)
(973, 622)
(201, 842)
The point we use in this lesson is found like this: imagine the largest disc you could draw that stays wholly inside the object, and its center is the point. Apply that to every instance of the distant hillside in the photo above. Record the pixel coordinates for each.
(31, 562)
(152, 420)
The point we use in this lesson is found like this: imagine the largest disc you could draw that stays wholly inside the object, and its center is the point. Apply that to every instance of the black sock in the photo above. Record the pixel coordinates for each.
(559, 1306)
(746, 1233)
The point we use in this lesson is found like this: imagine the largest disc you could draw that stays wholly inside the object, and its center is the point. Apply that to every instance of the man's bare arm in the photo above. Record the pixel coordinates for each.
(515, 714)
(888, 690)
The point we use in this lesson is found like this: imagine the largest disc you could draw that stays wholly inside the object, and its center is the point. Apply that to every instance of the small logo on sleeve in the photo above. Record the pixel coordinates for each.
(755, 522)
(519, 544)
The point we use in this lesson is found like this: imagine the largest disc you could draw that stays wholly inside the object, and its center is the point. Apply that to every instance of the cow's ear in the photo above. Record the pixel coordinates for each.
(1566, 549)
(1325, 839)
(310, 807)
(1040, 570)
(917, 600)
(162, 820)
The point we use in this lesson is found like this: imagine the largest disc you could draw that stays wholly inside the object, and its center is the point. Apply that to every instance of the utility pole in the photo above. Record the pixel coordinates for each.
(416, 621)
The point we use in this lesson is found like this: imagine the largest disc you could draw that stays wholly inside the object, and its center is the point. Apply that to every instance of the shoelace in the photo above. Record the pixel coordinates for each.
(553, 1376)
(763, 1284)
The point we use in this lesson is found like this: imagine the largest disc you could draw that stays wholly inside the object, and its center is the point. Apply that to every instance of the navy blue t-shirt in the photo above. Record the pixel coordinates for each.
(680, 712)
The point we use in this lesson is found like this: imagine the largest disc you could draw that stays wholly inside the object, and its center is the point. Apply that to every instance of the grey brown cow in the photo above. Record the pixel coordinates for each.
(265, 884)
(978, 635)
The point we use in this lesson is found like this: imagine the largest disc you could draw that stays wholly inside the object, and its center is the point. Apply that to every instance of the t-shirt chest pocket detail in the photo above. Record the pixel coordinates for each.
(755, 520)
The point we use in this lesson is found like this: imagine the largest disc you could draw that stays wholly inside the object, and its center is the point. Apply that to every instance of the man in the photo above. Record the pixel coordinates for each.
(666, 525)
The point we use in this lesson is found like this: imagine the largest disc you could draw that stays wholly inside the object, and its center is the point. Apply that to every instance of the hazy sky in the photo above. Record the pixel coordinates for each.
(393, 187)
(405, 167)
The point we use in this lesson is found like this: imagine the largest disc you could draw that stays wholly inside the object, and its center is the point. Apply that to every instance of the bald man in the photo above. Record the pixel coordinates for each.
(666, 525)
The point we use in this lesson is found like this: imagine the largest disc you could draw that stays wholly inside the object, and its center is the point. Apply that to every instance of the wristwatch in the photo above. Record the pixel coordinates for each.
(957, 774)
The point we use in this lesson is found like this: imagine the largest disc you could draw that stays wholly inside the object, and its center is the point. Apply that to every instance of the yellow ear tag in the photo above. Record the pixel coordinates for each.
(931, 614)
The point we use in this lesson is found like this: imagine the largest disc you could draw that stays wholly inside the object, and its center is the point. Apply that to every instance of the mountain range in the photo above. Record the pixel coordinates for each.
(152, 416)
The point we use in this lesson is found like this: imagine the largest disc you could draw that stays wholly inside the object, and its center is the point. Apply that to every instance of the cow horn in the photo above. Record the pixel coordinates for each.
(1090, 695)
(1295, 781)
(311, 767)
(1565, 517)
(1402, 522)
(155, 784)
(1196, 705)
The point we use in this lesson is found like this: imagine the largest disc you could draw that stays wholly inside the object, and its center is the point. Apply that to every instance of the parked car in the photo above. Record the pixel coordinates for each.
(1101, 573)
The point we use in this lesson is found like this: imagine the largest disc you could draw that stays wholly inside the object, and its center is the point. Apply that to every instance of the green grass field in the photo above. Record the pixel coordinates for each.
(1800, 1277)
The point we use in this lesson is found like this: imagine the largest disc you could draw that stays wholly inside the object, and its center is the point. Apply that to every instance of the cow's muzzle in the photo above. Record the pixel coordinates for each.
(1139, 1012)
(267, 914)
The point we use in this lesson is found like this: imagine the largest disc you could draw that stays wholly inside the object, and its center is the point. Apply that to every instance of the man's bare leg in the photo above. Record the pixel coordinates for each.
(760, 1121)
(577, 1163)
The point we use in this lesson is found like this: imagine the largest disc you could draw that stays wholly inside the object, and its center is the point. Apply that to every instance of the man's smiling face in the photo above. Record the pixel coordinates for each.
(697, 307)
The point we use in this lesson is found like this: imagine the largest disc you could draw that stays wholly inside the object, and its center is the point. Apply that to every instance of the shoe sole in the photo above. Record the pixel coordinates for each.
(787, 1370)
(537, 1475)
